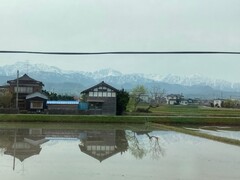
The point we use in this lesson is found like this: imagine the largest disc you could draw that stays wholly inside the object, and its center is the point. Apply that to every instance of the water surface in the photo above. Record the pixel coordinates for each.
(112, 152)
(225, 131)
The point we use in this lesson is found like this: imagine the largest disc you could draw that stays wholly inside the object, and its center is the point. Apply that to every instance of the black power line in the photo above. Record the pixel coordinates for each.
(119, 52)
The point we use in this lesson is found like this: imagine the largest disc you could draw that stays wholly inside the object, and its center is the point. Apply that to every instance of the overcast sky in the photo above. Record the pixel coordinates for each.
(125, 25)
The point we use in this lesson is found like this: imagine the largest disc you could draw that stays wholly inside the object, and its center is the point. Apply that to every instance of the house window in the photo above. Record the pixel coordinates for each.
(109, 94)
(95, 94)
(113, 94)
(104, 94)
(100, 94)
(22, 145)
(91, 94)
(36, 105)
(109, 90)
(23, 89)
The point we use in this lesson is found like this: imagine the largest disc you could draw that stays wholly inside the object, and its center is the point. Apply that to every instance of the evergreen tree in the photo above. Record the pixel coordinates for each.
(56, 97)
(122, 101)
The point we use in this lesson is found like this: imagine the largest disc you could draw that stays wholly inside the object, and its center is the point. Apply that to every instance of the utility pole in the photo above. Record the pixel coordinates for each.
(17, 90)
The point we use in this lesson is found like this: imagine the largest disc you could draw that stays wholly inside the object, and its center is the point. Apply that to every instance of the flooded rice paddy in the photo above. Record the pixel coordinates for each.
(113, 152)
(228, 132)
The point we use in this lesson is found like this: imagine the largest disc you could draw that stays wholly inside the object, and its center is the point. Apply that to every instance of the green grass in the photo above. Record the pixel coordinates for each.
(231, 121)
(211, 121)
(69, 118)
(171, 110)
(76, 126)
(180, 115)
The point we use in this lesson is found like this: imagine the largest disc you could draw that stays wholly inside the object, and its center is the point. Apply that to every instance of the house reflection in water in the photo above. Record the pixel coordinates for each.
(103, 144)
(23, 143)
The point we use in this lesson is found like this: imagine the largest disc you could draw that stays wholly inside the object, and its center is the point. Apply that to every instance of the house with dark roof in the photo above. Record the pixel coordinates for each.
(30, 96)
(102, 99)
(36, 101)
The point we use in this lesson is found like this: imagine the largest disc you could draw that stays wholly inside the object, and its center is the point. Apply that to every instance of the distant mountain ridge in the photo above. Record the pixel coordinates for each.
(73, 82)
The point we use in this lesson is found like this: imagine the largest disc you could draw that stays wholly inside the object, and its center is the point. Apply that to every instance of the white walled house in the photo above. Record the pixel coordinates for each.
(174, 99)
(218, 102)
(184, 102)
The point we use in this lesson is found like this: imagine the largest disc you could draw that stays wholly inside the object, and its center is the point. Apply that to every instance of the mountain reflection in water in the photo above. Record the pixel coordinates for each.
(22, 144)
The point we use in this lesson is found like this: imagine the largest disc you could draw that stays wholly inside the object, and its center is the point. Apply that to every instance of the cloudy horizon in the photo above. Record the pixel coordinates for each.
(146, 25)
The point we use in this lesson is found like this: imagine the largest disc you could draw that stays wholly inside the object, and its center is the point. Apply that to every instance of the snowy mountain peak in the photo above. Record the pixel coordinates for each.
(110, 75)
(108, 72)
(25, 67)
(103, 73)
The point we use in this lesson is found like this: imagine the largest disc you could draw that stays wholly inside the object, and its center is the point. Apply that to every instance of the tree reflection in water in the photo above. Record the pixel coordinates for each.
(155, 149)
(139, 148)
(135, 147)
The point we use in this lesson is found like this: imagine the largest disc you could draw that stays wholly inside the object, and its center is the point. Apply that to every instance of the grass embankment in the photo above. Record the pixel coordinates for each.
(77, 126)
(179, 110)
(208, 121)
(231, 121)
(198, 134)
(69, 118)
(179, 115)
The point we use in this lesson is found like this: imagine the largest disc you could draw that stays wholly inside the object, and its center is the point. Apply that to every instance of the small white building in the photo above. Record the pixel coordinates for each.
(184, 102)
(217, 102)
(173, 99)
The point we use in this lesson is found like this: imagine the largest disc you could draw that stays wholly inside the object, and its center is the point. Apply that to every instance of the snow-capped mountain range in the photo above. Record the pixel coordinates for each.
(56, 79)
(25, 67)
(197, 79)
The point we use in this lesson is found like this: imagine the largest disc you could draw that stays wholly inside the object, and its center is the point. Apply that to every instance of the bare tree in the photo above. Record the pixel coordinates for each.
(156, 96)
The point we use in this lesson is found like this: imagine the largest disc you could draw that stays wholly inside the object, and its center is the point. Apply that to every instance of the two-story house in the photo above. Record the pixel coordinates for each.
(102, 99)
(29, 92)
